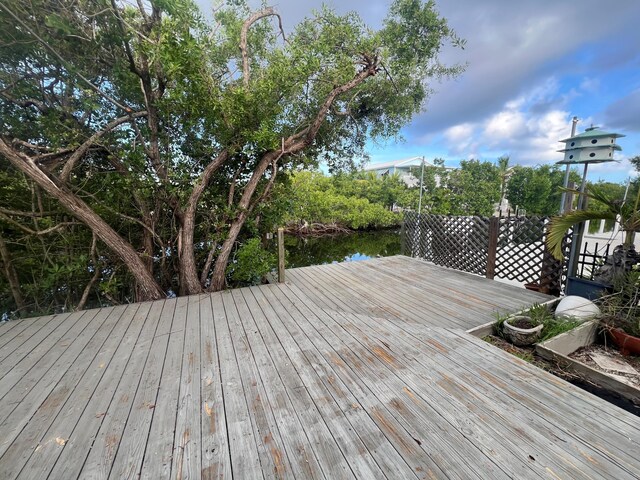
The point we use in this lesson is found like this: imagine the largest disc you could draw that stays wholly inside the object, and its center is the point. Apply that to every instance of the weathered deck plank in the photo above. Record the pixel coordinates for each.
(131, 450)
(21, 375)
(243, 440)
(159, 449)
(270, 446)
(322, 420)
(216, 460)
(285, 395)
(35, 337)
(20, 329)
(358, 370)
(107, 441)
(90, 367)
(33, 416)
(70, 462)
(455, 390)
(303, 353)
(419, 435)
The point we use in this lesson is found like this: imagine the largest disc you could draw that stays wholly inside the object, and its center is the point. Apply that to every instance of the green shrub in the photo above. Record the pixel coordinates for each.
(251, 263)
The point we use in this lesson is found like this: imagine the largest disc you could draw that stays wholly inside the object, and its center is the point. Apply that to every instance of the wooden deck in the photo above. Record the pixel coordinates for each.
(358, 370)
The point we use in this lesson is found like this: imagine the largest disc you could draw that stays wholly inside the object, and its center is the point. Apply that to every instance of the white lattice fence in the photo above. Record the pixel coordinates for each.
(509, 247)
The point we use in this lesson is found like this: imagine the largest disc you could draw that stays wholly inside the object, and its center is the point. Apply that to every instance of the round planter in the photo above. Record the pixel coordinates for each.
(628, 344)
(521, 337)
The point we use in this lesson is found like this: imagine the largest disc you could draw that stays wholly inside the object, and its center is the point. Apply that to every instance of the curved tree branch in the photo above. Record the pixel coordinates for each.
(147, 285)
(189, 282)
(292, 145)
(82, 149)
(30, 231)
(94, 278)
(12, 277)
(266, 12)
(127, 47)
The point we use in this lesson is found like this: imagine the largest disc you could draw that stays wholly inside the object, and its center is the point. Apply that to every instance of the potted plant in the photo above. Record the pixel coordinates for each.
(620, 316)
(522, 330)
(624, 256)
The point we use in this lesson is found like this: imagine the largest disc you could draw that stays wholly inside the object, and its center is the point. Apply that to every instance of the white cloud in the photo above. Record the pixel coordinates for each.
(459, 133)
(530, 137)
(504, 126)
(462, 139)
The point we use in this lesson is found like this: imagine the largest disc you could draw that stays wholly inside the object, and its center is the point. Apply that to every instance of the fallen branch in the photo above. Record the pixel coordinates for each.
(305, 229)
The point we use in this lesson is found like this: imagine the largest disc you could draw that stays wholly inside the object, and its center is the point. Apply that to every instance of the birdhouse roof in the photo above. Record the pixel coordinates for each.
(593, 132)
(615, 147)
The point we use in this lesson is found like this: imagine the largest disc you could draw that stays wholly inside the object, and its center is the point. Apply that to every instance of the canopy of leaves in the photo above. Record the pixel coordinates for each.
(626, 212)
(349, 201)
(125, 106)
(471, 189)
(537, 190)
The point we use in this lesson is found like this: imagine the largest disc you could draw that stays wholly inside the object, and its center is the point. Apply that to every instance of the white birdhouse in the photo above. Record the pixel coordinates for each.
(591, 146)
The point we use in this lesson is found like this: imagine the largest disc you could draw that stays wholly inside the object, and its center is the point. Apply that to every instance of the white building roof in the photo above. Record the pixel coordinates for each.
(407, 162)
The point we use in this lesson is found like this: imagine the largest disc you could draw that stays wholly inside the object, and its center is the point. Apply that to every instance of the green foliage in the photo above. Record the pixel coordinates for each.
(537, 190)
(553, 328)
(69, 69)
(354, 201)
(251, 263)
(626, 213)
(471, 189)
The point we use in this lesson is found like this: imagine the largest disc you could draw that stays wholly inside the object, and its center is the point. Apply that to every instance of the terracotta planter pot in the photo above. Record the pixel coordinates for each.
(521, 337)
(534, 287)
(628, 344)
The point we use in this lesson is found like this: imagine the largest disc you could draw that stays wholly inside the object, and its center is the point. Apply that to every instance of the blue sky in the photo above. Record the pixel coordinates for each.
(531, 66)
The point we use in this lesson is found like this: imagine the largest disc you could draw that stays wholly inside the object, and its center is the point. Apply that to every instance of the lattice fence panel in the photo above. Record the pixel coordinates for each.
(453, 242)
(520, 248)
(521, 254)
(463, 243)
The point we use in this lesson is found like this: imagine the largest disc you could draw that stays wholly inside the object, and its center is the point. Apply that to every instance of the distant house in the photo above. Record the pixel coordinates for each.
(408, 169)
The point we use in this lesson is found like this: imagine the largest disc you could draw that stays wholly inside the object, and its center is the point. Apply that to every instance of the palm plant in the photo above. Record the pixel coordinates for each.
(625, 213)
(620, 309)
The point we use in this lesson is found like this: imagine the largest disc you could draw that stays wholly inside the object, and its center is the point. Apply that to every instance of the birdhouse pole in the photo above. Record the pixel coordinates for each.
(591, 146)
(565, 184)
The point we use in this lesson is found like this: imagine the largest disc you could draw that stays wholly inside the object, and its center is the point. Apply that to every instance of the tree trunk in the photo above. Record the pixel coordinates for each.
(12, 277)
(147, 285)
(291, 145)
(189, 281)
(217, 280)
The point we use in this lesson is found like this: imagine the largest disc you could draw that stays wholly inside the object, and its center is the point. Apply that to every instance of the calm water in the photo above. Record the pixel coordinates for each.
(302, 252)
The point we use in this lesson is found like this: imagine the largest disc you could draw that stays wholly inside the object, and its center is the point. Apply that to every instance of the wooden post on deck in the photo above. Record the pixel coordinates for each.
(281, 255)
(494, 230)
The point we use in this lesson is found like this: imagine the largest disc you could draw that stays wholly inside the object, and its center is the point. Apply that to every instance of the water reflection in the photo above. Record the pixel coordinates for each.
(302, 252)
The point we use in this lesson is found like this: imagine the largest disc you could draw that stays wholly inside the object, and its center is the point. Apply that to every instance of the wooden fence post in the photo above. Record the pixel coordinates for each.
(494, 230)
(280, 255)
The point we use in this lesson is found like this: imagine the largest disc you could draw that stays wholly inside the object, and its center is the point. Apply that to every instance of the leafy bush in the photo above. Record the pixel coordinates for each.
(350, 201)
(251, 263)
